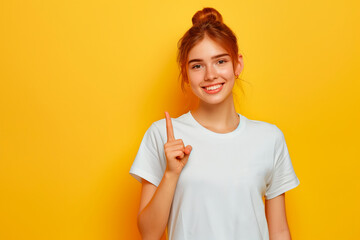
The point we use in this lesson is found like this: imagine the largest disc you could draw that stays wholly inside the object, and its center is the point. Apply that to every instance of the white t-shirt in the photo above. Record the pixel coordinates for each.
(220, 189)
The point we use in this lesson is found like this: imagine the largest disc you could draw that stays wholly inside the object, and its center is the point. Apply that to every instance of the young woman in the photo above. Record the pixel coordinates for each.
(204, 174)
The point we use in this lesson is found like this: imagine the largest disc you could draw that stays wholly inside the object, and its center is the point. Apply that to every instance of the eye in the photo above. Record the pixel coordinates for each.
(195, 66)
(221, 61)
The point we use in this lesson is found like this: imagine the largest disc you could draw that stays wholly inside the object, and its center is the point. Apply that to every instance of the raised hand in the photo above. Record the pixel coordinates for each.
(176, 153)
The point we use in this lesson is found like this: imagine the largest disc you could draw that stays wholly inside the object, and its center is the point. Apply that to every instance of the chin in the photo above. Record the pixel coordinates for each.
(213, 100)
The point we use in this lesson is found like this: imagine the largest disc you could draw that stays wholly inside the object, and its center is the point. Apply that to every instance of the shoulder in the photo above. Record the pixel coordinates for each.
(267, 132)
(158, 127)
(263, 128)
(177, 122)
(271, 130)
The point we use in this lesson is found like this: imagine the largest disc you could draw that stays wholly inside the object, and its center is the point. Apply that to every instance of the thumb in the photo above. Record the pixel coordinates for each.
(188, 149)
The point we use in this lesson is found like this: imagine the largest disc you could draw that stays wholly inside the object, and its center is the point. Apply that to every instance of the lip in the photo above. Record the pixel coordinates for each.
(214, 91)
(213, 85)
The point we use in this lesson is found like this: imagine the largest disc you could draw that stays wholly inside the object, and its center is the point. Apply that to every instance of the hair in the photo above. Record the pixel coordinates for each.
(206, 22)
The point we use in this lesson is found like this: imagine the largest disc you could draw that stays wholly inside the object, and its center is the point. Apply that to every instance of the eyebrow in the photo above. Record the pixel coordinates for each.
(217, 56)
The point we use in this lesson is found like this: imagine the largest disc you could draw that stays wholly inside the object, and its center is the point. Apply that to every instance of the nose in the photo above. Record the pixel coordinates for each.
(210, 73)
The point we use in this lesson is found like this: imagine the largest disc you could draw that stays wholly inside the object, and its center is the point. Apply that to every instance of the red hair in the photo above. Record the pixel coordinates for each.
(206, 22)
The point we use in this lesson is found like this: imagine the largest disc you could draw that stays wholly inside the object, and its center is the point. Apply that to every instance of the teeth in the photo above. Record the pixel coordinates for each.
(214, 87)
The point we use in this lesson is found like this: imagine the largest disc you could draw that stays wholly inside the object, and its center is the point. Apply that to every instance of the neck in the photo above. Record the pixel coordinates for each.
(221, 117)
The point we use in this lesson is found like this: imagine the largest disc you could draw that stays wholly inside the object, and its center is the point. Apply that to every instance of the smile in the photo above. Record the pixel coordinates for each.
(213, 89)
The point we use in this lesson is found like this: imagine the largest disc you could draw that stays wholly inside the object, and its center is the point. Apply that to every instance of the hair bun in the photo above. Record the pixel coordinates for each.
(206, 15)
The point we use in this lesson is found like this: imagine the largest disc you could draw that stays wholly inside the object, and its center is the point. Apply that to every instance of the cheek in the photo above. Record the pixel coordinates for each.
(195, 77)
(227, 73)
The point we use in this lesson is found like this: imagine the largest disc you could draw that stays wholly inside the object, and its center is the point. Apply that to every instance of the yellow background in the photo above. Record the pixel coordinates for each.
(81, 81)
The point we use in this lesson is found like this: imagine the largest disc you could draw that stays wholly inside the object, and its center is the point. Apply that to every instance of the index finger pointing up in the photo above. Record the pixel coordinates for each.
(169, 128)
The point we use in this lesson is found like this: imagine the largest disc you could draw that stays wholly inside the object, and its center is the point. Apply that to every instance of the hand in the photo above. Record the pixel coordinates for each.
(176, 153)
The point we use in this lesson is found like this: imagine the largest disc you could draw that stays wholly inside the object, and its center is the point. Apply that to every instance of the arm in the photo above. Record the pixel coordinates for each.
(276, 217)
(155, 203)
(155, 206)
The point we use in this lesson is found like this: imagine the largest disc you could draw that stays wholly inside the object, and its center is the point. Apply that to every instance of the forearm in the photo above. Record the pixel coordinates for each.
(284, 235)
(153, 218)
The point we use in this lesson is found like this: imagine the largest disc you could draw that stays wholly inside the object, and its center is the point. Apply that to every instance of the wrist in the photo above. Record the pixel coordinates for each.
(171, 175)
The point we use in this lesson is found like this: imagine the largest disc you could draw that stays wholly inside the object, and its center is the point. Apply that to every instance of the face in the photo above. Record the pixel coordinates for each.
(210, 71)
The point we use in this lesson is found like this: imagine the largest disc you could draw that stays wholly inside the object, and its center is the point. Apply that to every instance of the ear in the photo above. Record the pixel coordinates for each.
(240, 65)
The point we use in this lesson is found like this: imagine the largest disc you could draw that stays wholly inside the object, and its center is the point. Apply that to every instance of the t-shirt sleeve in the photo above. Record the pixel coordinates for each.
(150, 161)
(283, 177)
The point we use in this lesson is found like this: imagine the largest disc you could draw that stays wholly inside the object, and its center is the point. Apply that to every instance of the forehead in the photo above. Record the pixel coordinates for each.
(205, 49)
